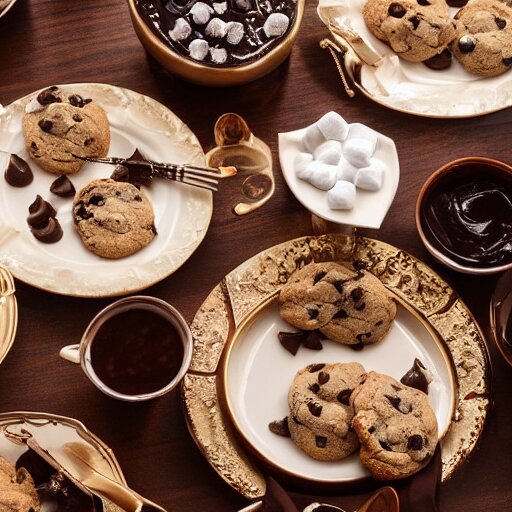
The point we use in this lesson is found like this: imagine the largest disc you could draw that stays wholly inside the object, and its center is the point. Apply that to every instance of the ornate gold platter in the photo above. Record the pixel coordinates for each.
(8, 312)
(244, 289)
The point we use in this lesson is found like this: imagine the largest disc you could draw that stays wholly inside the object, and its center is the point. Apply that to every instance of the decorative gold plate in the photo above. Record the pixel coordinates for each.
(253, 282)
(8, 312)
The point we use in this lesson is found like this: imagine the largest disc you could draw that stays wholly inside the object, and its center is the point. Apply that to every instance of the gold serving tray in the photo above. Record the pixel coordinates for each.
(8, 312)
(252, 283)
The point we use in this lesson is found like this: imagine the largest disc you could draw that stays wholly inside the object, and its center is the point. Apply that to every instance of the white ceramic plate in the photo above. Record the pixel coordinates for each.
(259, 372)
(182, 213)
(412, 87)
(370, 208)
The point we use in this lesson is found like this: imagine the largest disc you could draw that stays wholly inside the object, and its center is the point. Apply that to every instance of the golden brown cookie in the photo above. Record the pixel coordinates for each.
(114, 219)
(58, 125)
(17, 490)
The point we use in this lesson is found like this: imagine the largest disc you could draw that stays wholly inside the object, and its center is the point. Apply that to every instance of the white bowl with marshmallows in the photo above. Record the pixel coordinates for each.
(344, 173)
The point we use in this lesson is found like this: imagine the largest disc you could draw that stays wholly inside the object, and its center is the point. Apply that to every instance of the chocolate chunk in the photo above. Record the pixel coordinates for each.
(40, 211)
(360, 307)
(500, 22)
(357, 294)
(280, 427)
(416, 377)
(385, 446)
(18, 172)
(415, 442)
(357, 346)
(312, 341)
(507, 61)
(396, 10)
(359, 265)
(380, 322)
(440, 61)
(371, 430)
(137, 198)
(96, 200)
(77, 118)
(81, 211)
(467, 44)
(394, 401)
(360, 337)
(415, 22)
(63, 187)
(49, 96)
(291, 341)
(88, 141)
(319, 276)
(314, 388)
(313, 313)
(321, 441)
(316, 367)
(323, 378)
(457, 3)
(76, 100)
(339, 285)
(344, 396)
(50, 233)
(315, 409)
(45, 125)
(424, 2)
(340, 315)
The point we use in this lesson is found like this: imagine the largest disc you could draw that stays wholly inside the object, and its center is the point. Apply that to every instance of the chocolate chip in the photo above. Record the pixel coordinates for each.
(137, 198)
(323, 378)
(50, 233)
(371, 430)
(385, 446)
(394, 401)
(77, 118)
(467, 44)
(357, 346)
(415, 22)
(416, 377)
(457, 3)
(88, 141)
(344, 396)
(313, 313)
(380, 322)
(359, 265)
(18, 172)
(424, 2)
(319, 276)
(312, 341)
(315, 409)
(321, 441)
(40, 211)
(415, 442)
(360, 337)
(76, 100)
(296, 420)
(87, 100)
(396, 10)
(33, 146)
(339, 285)
(507, 61)
(340, 315)
(440, 61)
(48, 96)
(81, 212)
(97, 200)
(357, 294)
(280, 427)
(316, 368)
(45, 125)
(291, 341)
(314, 388)
(360, 307)
(396, 388)
(63, 187)
(500, 22)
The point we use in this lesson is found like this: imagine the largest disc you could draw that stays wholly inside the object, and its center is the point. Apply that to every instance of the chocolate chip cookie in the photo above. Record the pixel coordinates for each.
(483, 44)
(17, 490)
(347, 307)
(416, 30)
(396, 427)
(320, 411)
(113, 219)
(58, 126)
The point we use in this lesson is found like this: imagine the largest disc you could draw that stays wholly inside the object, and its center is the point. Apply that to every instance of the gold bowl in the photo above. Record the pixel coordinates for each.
(217, 76)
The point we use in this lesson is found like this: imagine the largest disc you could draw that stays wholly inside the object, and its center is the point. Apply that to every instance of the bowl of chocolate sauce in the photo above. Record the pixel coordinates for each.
(464, 215)
(217, 42)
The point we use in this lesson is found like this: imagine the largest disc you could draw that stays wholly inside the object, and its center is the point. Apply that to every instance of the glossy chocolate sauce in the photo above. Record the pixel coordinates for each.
(243, 30)
(468, 216)
(137, 352)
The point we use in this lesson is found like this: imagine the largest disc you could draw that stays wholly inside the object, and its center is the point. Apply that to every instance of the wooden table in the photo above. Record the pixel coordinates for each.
(58, 41)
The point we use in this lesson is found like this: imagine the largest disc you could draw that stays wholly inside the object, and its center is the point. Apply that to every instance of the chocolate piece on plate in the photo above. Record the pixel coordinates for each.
(18, 172)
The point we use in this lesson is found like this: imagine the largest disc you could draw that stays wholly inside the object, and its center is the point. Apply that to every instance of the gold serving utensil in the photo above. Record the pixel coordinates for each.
(81, 466)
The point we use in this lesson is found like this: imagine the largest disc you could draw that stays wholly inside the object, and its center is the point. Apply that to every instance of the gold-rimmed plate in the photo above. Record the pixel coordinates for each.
(8, 312)
(442, 318)
(379, 74)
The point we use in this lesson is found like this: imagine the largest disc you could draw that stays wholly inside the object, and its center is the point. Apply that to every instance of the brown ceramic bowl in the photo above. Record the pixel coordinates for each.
(444, 175)
(217, 76)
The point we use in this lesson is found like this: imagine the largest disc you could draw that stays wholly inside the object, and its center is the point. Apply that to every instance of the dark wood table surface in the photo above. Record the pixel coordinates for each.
(62, 41)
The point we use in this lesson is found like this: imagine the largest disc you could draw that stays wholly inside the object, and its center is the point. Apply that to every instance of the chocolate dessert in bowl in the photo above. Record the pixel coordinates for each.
(464, 215)
(217, 43)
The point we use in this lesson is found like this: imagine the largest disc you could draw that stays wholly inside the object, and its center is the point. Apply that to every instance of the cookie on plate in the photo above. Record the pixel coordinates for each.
(17, 490)
(58, 125)
(396, 427)
(347, 307)
(114, 219)
(320, 411)
(483, 44)
(416, 30)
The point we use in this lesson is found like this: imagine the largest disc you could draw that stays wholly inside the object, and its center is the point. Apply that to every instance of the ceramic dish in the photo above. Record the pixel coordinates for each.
(182, 213)
(8, 312)
(377, 73)
(5, 6)
(258, 372)
(217, 76)
(370, 208)
(429, 311)
(501, 316)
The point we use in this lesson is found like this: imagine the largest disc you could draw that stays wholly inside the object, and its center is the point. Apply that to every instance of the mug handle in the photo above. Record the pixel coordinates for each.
(71, 353)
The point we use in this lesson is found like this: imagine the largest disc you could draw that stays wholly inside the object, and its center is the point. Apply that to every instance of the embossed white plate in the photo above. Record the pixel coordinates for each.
(259, 371)
(412, 87)
(182, 213)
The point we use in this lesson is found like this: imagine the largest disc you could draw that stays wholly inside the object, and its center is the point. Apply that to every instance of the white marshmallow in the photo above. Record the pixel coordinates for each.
(216, 28)
(371, 177)
(342, 196)
(312, 138)
(333, 126)
(300, 165)
(181, 30)
(346, 171)
(218, 55)
(198, 49)
(328, 152)
(220, 7)
(360, 145)
(201, 13)
(276, 24)
(322, 176)
(234, 32)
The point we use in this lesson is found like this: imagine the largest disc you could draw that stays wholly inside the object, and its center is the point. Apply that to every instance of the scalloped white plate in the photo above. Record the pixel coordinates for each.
(370, 208)
(182, 213)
